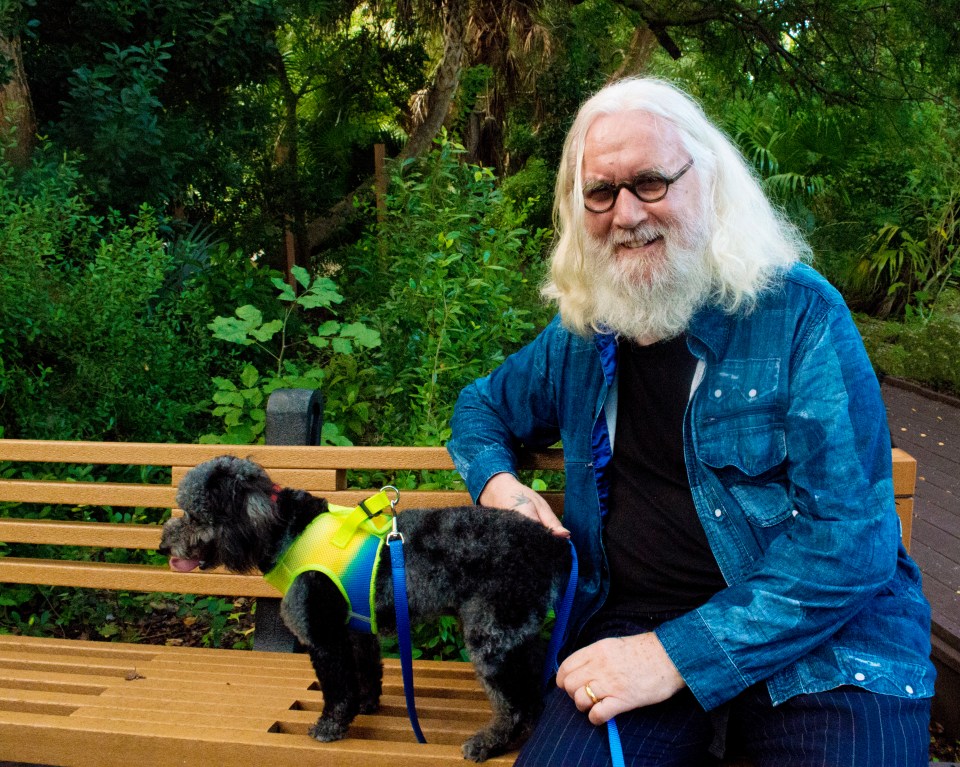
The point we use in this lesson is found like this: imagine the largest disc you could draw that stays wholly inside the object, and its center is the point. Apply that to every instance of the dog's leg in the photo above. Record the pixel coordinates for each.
(315, 611)
(508, 661)
(366, 655)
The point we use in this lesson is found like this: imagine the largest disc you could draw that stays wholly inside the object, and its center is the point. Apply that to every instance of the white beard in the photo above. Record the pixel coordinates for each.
(649, 301)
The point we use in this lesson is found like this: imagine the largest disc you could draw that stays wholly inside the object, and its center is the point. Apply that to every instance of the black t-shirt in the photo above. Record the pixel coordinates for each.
(656, 547)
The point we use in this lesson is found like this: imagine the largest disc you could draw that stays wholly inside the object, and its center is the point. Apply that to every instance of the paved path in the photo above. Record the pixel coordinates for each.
(927, 426)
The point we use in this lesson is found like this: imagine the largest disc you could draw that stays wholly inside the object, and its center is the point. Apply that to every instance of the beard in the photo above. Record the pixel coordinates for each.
(649, 300)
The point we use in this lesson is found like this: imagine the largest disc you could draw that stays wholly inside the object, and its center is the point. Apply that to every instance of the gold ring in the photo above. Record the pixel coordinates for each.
(591, 694)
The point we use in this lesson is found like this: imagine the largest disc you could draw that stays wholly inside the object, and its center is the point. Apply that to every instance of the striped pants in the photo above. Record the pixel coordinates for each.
(845, 727)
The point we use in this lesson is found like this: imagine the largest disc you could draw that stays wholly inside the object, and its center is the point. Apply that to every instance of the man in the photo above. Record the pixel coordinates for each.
(743, 588)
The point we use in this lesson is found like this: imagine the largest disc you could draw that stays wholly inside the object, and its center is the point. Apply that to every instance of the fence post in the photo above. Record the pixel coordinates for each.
(294, 417)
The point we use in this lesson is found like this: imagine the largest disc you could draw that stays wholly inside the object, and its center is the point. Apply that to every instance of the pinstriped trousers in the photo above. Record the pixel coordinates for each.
(845, 727)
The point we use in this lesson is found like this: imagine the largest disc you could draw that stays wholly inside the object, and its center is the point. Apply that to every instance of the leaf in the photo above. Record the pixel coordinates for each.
(342, 346)
(249, 376)
(364, 336)
(286, 292)
(322, 293)
(230, 329)
(301, 275)
(328, 328)
(267, 331)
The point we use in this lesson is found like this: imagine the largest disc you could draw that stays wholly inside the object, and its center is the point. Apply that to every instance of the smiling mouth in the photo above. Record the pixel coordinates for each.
(637, 244)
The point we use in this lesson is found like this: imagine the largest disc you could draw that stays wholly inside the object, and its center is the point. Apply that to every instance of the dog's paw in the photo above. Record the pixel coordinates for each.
(480, 747)
(327, 730)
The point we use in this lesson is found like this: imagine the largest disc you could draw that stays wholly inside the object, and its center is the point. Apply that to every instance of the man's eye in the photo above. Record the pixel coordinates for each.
(599, 193)
(648, 184)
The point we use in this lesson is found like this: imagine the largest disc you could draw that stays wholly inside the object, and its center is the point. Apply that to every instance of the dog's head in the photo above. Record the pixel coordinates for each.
(229, 513)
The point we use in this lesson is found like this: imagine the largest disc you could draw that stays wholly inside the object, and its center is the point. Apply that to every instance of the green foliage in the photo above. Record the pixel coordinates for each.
(115, 113)
(436, 640)
(448, 278)
(913, 256)
(924, 350)
(300, 357)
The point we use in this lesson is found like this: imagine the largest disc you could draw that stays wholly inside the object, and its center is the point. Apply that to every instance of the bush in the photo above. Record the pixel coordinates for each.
(925, 352)
(104, 311)
(448, 278)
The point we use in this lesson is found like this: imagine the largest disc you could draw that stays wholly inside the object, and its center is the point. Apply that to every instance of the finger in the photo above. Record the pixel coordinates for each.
(582, 700)
(550, 520)
(574, 671)
(606, 709)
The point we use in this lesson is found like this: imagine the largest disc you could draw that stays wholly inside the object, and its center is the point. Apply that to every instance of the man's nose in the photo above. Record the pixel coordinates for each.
(629, 210)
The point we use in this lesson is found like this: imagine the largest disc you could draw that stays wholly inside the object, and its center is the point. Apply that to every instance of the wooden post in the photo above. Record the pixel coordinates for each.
(291, 248)
(380, 174)
(380, 187)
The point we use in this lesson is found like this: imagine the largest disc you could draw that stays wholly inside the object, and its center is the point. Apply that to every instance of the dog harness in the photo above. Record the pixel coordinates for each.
(344, 544)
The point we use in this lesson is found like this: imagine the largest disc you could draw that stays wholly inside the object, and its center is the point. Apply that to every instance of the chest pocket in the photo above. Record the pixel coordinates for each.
(738, 432)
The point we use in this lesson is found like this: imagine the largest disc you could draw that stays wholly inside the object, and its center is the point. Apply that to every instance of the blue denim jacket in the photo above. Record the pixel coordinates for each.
(788, 455)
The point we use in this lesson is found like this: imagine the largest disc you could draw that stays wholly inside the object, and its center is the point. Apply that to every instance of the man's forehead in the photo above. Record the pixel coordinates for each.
(641, 136)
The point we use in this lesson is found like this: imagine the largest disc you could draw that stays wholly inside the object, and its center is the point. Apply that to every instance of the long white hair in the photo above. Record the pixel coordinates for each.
(749, 242)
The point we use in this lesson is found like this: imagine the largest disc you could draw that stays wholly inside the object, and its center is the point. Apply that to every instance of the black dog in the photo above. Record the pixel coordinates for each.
(497, 571)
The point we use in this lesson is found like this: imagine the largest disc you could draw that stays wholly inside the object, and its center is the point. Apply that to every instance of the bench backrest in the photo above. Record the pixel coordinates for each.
(321, 470)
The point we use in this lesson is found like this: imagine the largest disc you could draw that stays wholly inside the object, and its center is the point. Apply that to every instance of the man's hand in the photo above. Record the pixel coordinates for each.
(616, 675)
(505, 491)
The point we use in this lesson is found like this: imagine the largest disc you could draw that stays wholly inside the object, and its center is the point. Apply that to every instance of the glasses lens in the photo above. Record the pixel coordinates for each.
(599, 198)
(650, 188)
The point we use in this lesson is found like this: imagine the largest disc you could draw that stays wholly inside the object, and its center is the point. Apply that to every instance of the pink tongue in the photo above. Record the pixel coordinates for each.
(183, 565)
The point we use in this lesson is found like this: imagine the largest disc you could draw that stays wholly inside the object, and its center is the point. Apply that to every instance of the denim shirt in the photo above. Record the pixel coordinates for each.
(787, 451)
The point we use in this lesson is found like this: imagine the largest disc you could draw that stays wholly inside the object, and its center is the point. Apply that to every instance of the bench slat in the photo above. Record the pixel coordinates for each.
(269, 456)
(98, 534)
(87, 493)
(102, 575)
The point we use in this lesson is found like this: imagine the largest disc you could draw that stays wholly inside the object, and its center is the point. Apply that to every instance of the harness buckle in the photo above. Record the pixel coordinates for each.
(394, 534)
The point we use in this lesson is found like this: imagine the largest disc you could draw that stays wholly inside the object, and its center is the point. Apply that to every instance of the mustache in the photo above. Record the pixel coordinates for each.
(639, 235)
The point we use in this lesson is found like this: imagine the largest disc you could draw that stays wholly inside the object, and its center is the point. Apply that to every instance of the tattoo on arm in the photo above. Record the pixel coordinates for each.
(520, 500)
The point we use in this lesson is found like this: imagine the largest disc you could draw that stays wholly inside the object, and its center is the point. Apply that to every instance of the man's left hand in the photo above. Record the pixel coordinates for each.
(622, 674)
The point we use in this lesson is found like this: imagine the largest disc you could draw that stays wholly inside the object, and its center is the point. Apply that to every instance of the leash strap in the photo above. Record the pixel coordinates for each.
(616, 749)
(398, 567)
(563, 609)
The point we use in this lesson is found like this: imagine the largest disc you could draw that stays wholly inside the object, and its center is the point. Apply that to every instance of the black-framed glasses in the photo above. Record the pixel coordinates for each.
(647, 187)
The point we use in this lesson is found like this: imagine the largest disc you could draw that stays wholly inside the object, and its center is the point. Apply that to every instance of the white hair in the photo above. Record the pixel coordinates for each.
(748, 241)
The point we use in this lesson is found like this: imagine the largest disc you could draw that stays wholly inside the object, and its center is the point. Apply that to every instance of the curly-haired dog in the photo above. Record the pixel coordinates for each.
(497, 571)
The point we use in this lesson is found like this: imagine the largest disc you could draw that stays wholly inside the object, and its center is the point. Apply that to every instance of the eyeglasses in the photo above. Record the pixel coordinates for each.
(647, 187)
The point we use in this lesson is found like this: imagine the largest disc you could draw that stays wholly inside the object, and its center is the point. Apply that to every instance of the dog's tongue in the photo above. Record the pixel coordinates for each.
(183, 565)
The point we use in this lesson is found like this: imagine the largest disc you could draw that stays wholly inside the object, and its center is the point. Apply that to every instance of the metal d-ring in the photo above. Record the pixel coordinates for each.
(394, 534)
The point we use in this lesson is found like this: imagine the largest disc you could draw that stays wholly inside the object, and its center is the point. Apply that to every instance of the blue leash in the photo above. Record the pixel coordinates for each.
(563, 609)
(556, 639)
(397, 565)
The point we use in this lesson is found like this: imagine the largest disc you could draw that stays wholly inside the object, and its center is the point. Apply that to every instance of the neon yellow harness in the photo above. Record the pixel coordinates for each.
(344, 544)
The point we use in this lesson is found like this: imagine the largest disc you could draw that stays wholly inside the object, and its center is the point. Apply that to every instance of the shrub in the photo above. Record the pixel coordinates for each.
(448, 278)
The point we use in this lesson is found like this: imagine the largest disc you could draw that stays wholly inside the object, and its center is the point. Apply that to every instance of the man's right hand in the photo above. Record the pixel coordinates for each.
(505, 491)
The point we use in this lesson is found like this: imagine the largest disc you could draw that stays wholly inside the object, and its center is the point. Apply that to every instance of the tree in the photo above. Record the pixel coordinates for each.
(16, 104)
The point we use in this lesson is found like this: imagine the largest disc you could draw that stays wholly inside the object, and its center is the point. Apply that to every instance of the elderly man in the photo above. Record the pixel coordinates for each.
(743, 587)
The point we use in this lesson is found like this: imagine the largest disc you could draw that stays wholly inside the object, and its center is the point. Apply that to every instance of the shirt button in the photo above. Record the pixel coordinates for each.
(717, 513)
(909, 690)
(752, 393)
(795, 512)
(859, 676)
(717, 393)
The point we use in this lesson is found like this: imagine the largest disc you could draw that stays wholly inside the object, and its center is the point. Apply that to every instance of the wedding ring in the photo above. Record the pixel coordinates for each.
(591, 694)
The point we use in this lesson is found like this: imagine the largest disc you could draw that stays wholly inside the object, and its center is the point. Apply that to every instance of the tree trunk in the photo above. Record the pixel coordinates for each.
(438, 100)
(16, 106)
(444, 87)
(637, 58)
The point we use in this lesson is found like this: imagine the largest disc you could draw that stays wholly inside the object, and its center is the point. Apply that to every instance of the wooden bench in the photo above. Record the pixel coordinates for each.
(99, 704)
